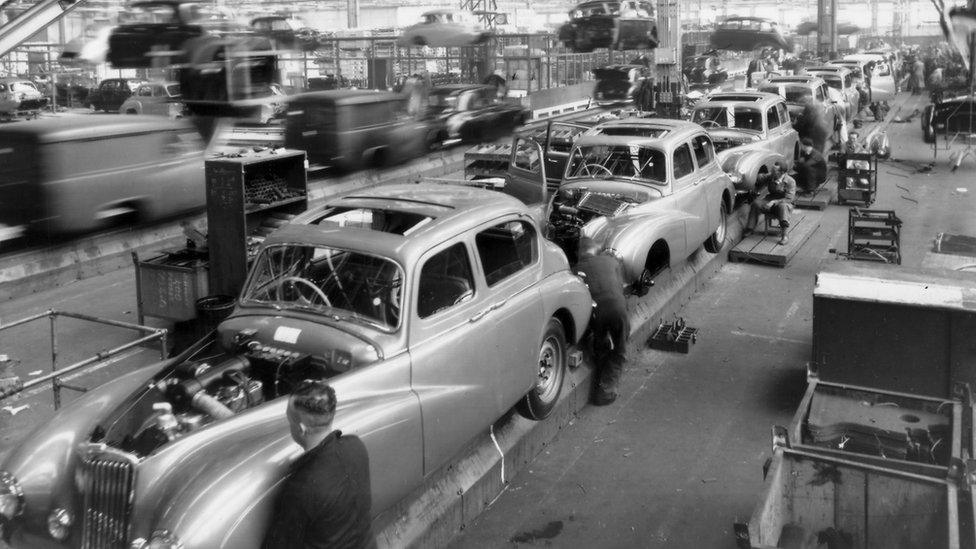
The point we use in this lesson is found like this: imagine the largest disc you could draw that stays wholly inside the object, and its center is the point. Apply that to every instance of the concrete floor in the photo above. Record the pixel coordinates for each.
(678, 458)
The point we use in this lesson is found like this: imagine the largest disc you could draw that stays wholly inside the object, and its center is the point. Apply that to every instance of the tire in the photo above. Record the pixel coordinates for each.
(928, 135)
(540, 401)
(419, 41)
(715, 242)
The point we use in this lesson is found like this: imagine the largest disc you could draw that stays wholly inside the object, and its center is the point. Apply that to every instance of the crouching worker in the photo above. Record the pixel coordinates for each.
(811, 168)
(777, 202)
(610, 326)
(326, 499)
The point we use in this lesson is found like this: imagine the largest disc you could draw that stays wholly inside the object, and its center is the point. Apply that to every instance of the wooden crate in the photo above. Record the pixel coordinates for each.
(765, 248)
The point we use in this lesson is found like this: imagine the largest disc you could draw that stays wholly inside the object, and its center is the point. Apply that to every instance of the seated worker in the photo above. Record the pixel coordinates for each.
(811, 167)
(853, 145)
(778, 201)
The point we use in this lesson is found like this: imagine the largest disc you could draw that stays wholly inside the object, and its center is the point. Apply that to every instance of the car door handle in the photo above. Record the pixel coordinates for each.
(499, 305)
(479, 315)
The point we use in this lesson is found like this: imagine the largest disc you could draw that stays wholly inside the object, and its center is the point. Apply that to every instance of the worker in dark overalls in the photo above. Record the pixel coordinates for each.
(609, 328)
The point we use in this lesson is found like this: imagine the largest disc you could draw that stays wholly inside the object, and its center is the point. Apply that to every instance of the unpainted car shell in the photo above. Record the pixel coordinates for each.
(214, 487)
(748, 33)
(19, 96)
(746, 162)
(444, 28)
(847, 89)
(594, 25)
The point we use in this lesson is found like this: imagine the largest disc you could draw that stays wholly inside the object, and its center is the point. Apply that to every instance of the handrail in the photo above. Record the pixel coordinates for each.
(33, 20)
(56, 373)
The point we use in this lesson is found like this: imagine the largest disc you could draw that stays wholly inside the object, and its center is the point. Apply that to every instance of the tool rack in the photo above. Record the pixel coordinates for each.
(874, 235)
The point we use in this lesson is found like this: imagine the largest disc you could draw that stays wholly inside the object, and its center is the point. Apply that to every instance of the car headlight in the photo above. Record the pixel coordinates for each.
(11, 496)
(736, 178)
(160, 539)
(59, 523)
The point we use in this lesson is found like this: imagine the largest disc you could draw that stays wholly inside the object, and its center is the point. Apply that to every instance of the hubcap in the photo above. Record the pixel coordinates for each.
(550, 357)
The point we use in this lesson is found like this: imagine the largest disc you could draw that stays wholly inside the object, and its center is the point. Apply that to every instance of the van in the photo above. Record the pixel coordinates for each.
(73, 174)
(351, 129)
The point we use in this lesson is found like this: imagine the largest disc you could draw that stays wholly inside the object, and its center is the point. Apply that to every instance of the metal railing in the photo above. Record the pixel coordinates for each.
(56, 373)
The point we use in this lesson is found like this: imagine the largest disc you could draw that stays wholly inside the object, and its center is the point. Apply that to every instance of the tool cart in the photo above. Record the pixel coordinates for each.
(874, 235)
(857, 178)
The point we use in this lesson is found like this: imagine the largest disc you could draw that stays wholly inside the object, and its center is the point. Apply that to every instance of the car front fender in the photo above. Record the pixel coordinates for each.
(744, 167)
(630, 237)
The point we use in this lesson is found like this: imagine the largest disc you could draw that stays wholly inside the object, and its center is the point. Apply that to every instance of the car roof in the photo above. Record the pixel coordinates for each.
(797, 79)
(453, 209)
(676, 129)
(745, 99)
(68, 128)
(828, 68)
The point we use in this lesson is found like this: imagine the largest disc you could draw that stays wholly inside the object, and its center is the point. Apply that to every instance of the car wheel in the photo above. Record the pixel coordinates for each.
(541, 399)
(717, 239)
(928, 136)
(131, 111)
(419, 41)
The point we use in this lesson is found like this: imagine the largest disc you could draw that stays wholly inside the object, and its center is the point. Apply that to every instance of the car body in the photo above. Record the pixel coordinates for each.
(73, 174)
(748, 33)
(947, 117)
(758, 134)
(20, 97)
(111, 93)
(880, 58)
(470, 113)
(843, 28)
(286, 32)
(444, 28)
(856, 67)
(153, 29)
(840, 79)
(800, 88)
(158, 98)
(635, 187)
(431, 310)
(618, 85)
(351, 129)
(626, 24)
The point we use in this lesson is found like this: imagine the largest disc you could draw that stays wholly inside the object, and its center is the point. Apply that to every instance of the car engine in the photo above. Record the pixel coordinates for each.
(572, 209)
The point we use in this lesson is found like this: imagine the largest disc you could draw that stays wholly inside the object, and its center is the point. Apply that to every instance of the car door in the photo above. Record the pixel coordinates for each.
(508, 253)
(688, 186)
(712, 178)
(775, 130)
(560, 137)
(452, 350)
(526, 176)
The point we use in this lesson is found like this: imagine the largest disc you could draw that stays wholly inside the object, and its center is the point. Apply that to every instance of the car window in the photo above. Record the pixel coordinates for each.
(704, 153)
(784, 113)
(527, 155)
(819, 94)
(682, 162)
(772, 117)
(144, 91)
(506, 249)
(445, 281)
(635, 162)
(847, 81)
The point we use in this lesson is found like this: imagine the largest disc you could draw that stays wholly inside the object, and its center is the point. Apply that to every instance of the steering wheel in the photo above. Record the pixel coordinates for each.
(591, 169)
(296, 280)
(709, 124)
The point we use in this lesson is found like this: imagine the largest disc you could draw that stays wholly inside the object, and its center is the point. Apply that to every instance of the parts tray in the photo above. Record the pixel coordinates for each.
(674, 336)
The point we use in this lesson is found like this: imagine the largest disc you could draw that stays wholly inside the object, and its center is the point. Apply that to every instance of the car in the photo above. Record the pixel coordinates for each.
(650, 191)
(843, 28)
(855, 66)
(949, 116)
(627, 24)
(748, 33)
(619, 85)
(20, 97)
(153, 29)
(286, 32)
(840, 79)
(751, 131)
(111, 93)
(432, 310)
(799, 89)
(159, 98)
(444, 28)
(881, 58)
(470, 113)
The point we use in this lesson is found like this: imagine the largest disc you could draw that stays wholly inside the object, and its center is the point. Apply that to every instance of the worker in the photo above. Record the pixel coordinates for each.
(811, 167)
(326, 499)
(778, 201)
(610, 327)
(868, 75)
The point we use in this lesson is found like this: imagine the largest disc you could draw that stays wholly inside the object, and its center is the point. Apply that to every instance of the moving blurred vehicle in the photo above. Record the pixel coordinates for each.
(840, 79)
(432, 310)
(153, 29)
(111, 93)
(353, 129)
(270, 105)
(618, 85)
(948, 117)
(880, 58)
(444, 28)
(20, 97)
(157, 98)
(286, 32)
(627, 24)
(73, 174)
(748, 33)
(470, 113)
(751, 131)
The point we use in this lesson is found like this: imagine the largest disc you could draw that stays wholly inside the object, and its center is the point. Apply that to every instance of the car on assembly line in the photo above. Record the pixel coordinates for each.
(111, 93)
(856, 67)
(444, 28)
(650, 191)
(432, 310)
(153, 28)
(751, 131)
(158, 98)
(621, 85)
(20, 97)
(799, 89)
(748, 33)
(948, 117)
(840, 79)
(880, 58)
(626, 24)
(470, 113)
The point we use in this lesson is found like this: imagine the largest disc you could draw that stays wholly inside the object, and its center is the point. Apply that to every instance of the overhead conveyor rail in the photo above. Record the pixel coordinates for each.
(32, 21)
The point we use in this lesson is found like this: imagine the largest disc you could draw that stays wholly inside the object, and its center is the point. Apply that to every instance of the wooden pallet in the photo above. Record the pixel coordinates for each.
(821, 198)
(765, 248)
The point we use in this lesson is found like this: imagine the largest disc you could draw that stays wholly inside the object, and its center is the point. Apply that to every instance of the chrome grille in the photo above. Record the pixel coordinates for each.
(109, 483)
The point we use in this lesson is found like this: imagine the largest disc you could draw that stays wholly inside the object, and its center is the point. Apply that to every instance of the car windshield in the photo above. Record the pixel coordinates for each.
(151, 13)
(342, 284)
(740, 118)
(173, 90)
(833, 82)
(636, 162)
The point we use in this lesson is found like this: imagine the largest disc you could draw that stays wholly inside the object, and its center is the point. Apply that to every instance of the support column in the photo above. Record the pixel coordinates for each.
(826, 27)
(352, 13)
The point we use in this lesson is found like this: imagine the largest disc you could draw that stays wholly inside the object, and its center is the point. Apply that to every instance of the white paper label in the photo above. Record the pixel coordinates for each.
(285, 334)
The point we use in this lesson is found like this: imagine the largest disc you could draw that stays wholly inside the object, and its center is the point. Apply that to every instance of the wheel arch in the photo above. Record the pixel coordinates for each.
(569, 325)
